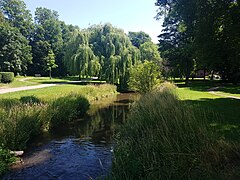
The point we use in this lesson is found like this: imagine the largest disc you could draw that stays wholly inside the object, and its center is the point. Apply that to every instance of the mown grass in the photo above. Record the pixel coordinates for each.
(21, 81)
(222, 113)
(169, 138)
(46, 94)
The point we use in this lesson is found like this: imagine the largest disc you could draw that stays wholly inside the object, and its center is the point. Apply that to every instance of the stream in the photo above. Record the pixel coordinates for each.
(82, 150)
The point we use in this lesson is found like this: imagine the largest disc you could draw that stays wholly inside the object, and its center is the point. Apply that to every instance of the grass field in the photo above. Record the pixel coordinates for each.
(222, 113)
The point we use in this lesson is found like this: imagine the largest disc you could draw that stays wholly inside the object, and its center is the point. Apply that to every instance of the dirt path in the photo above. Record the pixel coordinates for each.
(8, 90)
(212, 91)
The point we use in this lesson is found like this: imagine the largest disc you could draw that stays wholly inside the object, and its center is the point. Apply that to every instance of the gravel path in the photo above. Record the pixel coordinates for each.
(212, 91)
(8, 90)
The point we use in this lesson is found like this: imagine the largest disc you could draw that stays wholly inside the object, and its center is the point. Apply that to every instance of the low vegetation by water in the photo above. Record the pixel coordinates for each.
(23, 118)
(171, 139)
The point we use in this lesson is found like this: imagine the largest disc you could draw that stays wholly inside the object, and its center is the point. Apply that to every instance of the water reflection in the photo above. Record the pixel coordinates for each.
(82, 150)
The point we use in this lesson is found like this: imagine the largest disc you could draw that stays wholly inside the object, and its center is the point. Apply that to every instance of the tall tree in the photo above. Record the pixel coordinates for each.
(138, 38)
(210, 32)
(47, 30)
(50, 62)
(15, 53)
(16, 13)
(149, 51)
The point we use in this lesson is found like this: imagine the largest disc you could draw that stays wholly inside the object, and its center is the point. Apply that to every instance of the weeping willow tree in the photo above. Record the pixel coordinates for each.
(79, 57)
(103, 51)
(115, 52)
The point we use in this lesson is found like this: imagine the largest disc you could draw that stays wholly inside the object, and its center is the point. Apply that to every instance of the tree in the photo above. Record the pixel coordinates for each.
(144, 77)
(101, 50)
(17, 15)
(149, 51)
(209, 33)
(50, 62)
(139, 38)
(15, 53)
(47, 30)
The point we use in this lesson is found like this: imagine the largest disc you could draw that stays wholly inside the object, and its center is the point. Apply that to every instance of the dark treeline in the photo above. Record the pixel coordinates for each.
(201, 34)
(44, 44)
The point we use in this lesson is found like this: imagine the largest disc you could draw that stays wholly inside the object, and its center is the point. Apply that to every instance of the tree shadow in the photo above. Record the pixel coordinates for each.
(222, 114)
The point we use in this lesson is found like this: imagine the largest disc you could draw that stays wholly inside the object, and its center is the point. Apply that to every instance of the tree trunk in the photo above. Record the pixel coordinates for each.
(204, 74)
(50, 74)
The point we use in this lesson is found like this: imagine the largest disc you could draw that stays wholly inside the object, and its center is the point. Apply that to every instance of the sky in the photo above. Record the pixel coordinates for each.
(129, 15)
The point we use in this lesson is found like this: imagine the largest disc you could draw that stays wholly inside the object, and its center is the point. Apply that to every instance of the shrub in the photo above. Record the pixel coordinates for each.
(5, 160)
(144, 77)
(29, 100)
(7, 77)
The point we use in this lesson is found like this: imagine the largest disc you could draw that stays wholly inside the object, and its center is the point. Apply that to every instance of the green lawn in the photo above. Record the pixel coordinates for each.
(49, 93)
(222, 113)
(32, 81)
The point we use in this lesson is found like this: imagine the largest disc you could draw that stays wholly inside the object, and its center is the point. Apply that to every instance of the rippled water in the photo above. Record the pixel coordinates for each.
(82, 150)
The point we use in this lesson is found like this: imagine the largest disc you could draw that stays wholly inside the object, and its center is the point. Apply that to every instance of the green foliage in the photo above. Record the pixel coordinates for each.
(47, 40)
(139, 38)
(167, 139)
(6, 159)
(103, 51)
(29, 100)
(144, 77)
(18, 124)
(7, 77)
(18, 16)
(50, 62)
(149, 51)
(188, 25)
(67, 108)
(15, 53)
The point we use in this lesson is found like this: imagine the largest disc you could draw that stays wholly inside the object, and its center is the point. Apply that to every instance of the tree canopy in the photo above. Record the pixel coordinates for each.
(204, 32)
(46, 44)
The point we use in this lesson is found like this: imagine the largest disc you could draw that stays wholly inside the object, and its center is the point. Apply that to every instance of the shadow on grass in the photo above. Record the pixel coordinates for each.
(201, 85)
(222, 114)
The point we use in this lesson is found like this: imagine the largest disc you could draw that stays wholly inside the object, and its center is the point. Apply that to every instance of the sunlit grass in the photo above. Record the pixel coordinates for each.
(48, 93)
(168, 138)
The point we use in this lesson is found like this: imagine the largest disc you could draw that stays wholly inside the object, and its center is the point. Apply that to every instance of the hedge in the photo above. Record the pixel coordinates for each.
(6, 77)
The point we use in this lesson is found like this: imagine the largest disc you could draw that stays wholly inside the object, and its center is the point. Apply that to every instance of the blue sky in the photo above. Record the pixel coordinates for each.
(130, 15)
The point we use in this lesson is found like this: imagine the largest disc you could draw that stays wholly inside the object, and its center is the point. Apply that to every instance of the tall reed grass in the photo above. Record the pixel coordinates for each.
(164, 139)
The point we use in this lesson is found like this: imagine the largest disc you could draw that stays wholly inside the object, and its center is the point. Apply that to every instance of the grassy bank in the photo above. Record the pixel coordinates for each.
(168, 138)
(46, 94)
(24, 115)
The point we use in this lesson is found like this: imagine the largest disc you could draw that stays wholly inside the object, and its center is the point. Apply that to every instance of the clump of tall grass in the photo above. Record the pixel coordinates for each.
(163, 139)
(20, 123)
(65, 109)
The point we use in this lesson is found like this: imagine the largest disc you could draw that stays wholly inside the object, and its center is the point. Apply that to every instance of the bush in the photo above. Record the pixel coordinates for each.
(5, 160)
(7, 77)
(29, 100)
(144, 77)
